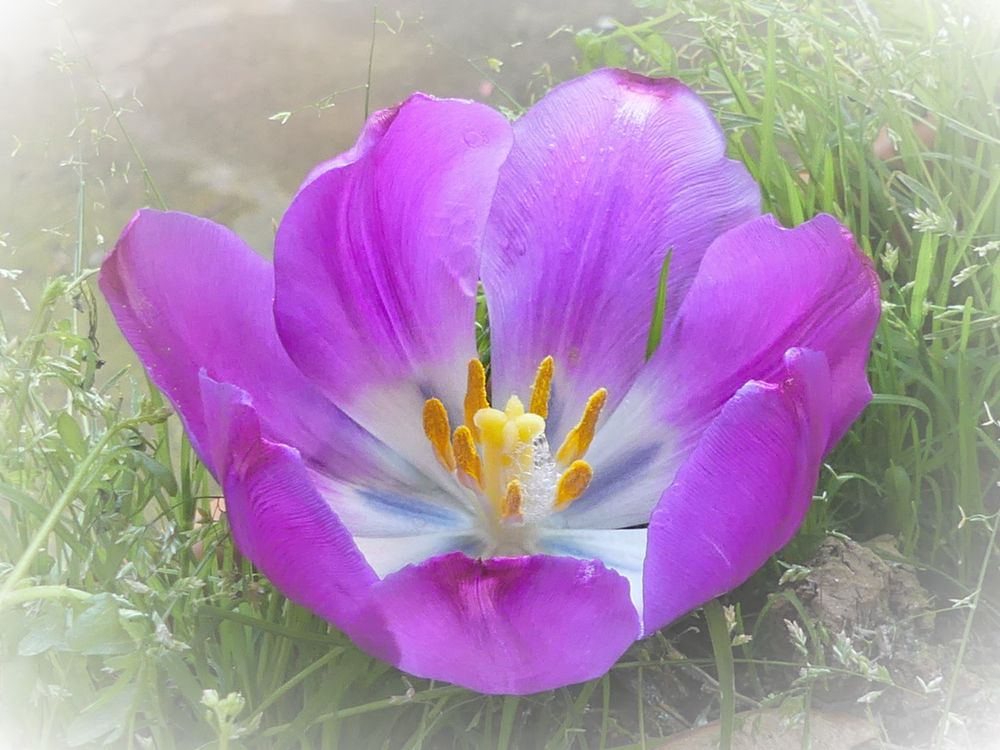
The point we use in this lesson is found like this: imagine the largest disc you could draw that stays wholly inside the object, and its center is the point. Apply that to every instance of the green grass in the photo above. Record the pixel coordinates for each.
(127, 618)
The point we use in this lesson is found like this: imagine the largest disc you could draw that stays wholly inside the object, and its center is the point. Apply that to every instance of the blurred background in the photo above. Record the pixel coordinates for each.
(230, 103)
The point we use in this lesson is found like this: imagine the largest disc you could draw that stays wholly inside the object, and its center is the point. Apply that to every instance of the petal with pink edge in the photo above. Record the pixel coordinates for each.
(608, 173)
(742, 493)
(761, 290)
(377, 261)
(505, 625)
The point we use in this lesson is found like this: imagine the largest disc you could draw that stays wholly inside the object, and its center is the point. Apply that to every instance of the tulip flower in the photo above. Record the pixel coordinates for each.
(516, 526)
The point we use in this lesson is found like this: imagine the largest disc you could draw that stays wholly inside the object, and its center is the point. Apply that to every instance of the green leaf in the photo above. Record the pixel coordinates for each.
(98, 630)
(723, 651)
(162, 475)
(660, 51)
(47, 631)
(926, 257)
(71, 434)
(104, 719)
(659, 307)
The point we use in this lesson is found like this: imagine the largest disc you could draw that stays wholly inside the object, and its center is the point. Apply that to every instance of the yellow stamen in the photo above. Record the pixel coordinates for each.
(475, 394)
(541, 388)
(513, 502)
(466, 456)
(500, 454)
(580, 437)
(573, 483)
(438, 431)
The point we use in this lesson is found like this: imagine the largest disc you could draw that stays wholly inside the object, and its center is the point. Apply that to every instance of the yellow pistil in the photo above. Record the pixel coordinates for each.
(513, 502)
(475, 393)
(580, 437)
(505, 438)
(438, 431)
(466, 457)
(541, 388)
(573, 483)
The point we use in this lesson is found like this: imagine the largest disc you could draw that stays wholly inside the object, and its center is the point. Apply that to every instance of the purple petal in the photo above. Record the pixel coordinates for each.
(377, 262)
(761, 290)
(373, 130)
(742, 493)
(504, 625)
(189, 294)
(608, 172)
(278, 520)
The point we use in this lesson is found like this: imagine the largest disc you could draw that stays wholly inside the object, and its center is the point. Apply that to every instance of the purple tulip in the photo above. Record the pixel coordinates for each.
(523, 540)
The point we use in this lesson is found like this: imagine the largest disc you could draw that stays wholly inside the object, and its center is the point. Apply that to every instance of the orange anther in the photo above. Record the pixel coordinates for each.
(513, 502)
(475, 394)
(466, 456)
(542, 388)
(573, 483)
(438, 431)
(580, 437)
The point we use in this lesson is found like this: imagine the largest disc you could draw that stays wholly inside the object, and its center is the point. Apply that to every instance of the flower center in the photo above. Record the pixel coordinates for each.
(502, 456)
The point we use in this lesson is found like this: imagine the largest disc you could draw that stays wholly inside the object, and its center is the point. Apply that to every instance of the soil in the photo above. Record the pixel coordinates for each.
(870, 611)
